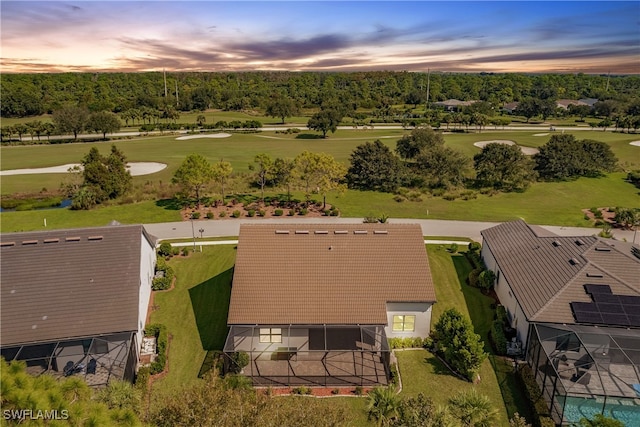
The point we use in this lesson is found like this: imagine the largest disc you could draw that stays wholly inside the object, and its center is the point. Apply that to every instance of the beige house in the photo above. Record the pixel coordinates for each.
(314, 304)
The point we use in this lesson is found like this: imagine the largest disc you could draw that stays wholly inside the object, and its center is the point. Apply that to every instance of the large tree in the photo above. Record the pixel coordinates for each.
(221, 172)
(504, 167)
(194, 174)
(281, 106)
(461, 346)
(566, 157)
(263, 169)
(374, 167)
(420, 138)
(283, 173)
(442, 166)
(324, 121)
(103, 122)
(318, 172)
(71, 120)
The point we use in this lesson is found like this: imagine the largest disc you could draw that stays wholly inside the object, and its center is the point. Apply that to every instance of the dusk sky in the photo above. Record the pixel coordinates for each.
(457, 36)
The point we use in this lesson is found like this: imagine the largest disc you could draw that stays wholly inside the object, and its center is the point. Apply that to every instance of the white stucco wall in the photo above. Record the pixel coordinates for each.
(298, 338)
(147, 269)
(422, 311)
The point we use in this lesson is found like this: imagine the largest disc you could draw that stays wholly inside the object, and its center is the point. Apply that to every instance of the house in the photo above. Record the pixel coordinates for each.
(314, 304)
(74, 302)
(453, 104)
(565, 103)
(510, 107)
(575, 304)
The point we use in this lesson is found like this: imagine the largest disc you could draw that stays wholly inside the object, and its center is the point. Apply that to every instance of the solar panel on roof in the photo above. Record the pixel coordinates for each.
(606, 298)
(629, 299)
(634, 320)
(615, 319)
(597, 289)
(584, 306)
(584, 317)
(604, 307)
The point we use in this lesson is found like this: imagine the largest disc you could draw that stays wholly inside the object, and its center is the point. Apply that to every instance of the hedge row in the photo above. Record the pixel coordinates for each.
(159, 331)
(534, 394)
(498, 337)
(164, 282)
(410, 342)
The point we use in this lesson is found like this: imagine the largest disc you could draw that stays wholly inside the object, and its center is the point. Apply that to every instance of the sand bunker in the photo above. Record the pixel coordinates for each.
(636, 143)
(209, 135)
(135, 168)
(529, 151)
(541, 134)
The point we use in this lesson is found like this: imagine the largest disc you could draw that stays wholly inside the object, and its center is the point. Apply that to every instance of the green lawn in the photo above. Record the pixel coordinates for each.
(195, 312)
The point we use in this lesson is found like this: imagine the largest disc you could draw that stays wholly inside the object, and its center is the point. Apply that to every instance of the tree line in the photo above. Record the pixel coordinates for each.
(422, 160)
(25, 95)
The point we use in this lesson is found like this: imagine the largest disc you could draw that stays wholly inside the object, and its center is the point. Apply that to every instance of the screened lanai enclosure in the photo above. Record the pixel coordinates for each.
(97, 359)
(311, 355)
(587, 370)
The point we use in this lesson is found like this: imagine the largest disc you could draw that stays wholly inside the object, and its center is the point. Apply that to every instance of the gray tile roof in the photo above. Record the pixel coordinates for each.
(69, 283)
(547, 272)
(327, 274)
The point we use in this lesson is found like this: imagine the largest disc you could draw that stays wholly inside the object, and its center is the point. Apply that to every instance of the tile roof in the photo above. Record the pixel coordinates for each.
(547, 272)
(69, 283)
(327, 274)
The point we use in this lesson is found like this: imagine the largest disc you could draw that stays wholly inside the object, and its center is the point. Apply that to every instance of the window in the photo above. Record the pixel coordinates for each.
(270, 335)
(404, 323)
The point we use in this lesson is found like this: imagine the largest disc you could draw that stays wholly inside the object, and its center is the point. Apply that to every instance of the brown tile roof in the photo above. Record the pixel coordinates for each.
(547, 272)
(69, 283)
(327, 274)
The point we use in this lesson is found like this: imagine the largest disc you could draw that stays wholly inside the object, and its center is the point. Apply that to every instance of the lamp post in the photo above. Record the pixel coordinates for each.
(193, 233)
(201, 231)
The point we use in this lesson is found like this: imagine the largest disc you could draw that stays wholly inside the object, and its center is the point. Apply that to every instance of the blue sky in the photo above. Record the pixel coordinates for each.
(542, 36)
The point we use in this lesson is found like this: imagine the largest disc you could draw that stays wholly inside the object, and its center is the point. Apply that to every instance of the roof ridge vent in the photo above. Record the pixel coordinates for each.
(594, 275)
(340, 232)
(380, 232)
(556, 243)
(6, 244)
(29, 242)
(54, 240)
(321, 232)
(302, 231)
(93, 238)
(574, 261)
(579, 242)
(359, 231)
(282, 231)
(603, 249)
(72, 239)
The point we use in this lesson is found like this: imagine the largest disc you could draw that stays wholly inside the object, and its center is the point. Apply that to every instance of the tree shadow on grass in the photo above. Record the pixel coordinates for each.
(439, 368)
(210, 303)
(169, 204)
(308, 136)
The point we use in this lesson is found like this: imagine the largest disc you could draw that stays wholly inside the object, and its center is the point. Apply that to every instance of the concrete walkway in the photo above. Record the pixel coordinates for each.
(430, 227)
(200, 242)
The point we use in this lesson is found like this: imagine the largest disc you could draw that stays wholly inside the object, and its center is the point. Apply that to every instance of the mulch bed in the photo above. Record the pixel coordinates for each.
(317, 391)
(314, 210)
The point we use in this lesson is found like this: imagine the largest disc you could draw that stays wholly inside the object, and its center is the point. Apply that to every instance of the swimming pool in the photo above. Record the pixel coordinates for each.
(625, 410)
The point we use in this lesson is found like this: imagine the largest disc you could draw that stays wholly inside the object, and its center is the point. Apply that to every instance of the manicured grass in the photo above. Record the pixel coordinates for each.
(195, 312)
(449, 273)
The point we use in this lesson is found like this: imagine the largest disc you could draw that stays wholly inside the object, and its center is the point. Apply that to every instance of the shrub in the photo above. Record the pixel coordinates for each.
(398, 198)
(301, 390)
(210, 215)
(474, 247)
(159, 331)
(335, 391)
(334, 212)
(262, 212)
(303, 211)
(162, 281)
(472, 279)
(222, 214)
(370, 220)
(486, 279)
(239, 360)
(278, 212)
(498, 337)
(195, 215)
(393, 374)
(142, 380)
(501, 314)
(408, 342)
(165, 249)
(251, 213)
(185, 251)
(291, 212)
(532, 390)
(236, 214)
(358, 390)
(453, 248)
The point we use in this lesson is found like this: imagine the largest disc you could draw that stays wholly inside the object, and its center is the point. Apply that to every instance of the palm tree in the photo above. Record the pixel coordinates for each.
(383, 404)
(473, 409)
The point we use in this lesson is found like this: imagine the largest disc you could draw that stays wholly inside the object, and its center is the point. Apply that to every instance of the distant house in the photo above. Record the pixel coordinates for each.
(74, 302)
(510, 107)
(453, 104)
(314, 304)
(565, 103)
(575, 304)
(589, 101)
